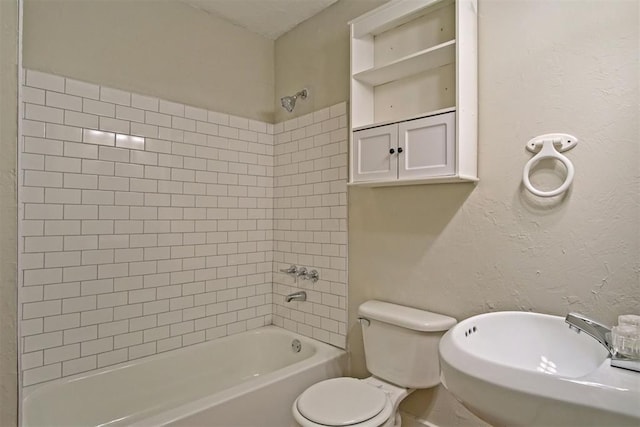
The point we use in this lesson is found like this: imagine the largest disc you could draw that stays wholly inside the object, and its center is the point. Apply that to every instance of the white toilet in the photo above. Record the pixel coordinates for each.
(401, 349)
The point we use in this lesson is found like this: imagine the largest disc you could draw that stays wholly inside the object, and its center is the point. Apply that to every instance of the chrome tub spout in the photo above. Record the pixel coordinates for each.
(296, 296)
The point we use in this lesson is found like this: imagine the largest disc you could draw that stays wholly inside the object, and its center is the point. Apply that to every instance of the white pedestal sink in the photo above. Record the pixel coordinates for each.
(530, 369)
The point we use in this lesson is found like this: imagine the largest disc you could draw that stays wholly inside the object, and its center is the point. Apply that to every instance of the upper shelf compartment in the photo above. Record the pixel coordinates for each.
(418, 62)
(393, 14)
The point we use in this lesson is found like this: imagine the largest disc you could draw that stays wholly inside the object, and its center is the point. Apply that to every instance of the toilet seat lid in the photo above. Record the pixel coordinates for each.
(341, 402)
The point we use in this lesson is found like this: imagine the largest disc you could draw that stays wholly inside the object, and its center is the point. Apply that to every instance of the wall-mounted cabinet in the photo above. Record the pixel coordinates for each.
(410, 60)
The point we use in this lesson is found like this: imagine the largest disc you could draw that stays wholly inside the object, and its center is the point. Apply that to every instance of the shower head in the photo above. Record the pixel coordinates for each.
(289, 102)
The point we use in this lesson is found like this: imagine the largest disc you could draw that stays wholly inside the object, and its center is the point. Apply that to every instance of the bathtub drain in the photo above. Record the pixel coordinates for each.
(296, 346)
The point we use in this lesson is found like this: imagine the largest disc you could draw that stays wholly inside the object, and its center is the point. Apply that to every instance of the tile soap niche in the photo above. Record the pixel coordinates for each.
(412, 60)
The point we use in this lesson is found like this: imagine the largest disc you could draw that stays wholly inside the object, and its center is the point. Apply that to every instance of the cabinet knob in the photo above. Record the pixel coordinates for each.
(399, 150)
(391, 151)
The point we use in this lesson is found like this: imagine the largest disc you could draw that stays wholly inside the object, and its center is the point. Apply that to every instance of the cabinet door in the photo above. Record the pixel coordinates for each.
(428, 147)
(375, 154)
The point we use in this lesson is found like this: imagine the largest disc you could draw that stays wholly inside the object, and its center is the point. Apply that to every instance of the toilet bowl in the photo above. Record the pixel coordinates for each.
(349, 402)
(394, 336)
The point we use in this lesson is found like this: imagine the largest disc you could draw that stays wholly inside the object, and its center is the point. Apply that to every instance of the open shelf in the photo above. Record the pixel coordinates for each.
(418, 62)
(394, 14)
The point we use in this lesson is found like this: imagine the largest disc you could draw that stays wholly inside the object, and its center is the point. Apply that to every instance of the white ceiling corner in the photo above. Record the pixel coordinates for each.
(269, 18)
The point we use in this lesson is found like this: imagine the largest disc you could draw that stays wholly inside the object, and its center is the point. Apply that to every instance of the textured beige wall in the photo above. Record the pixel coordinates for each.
(553, 66)
(8, 211)
(160, 48)
(315, 55)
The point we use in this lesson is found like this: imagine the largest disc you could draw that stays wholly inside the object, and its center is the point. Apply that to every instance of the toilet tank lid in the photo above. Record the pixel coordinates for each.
(406, 317)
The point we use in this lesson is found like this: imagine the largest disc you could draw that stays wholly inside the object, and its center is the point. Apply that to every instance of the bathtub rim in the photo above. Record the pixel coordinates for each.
(324, 353)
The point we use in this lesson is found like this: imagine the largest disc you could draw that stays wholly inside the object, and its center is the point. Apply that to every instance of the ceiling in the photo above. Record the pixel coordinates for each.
(269, 18)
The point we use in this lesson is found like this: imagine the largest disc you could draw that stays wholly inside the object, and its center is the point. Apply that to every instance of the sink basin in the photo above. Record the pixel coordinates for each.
(530, 369)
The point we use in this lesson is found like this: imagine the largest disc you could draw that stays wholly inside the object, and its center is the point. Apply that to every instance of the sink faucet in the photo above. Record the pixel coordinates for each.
(296, 296)
(600, 332)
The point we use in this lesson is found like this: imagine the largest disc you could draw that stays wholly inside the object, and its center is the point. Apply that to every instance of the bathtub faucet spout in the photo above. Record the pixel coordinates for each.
(296, 296)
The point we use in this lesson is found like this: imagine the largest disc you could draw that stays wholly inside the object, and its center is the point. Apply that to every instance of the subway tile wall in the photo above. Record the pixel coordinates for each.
(148, 225)
(310, 223)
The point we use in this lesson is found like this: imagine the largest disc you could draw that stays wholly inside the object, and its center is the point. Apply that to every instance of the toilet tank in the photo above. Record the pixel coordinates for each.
(401, 343)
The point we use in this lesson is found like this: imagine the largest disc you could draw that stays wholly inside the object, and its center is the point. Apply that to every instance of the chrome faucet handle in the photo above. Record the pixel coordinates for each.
(312, 275)
(302, 271)
(291, 270)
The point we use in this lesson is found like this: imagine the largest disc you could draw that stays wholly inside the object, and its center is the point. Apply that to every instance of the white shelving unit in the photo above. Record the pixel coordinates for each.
(413, 59)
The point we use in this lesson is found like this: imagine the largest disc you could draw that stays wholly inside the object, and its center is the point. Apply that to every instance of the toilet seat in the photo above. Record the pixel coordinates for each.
(342, 402)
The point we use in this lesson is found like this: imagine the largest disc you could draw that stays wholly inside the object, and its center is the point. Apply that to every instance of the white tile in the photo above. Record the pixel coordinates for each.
(239, 122)
(112, 357)
(169, 344)
(42, 341)
(113, 154)
(42, 146)
(131, 114)
(59, 354)
(170, 134)
(129, 170)
(140, 129)
(95, 317)
(33, 95)
(131, 142)
(31, 360)
(41, 374)
(184, 124)
(114, 125)
(144, 102)
(113, 183)
(98, 137)
(86, 151)
(44, 114)
(98, 108)
(45, 81)
(42, 211)
(157, 119)
(62, 132)
(42, 179)
(80, 334)
(195, 113)
(76, 274)
(31, 327)
(43, 244)
(76, 366)
(86, 90)
(112, 300)
(62, 322)
(113, 241)
(144, 158)
(101, 345)
(42, 277)
(113, 270)
(61, 259)
(60, 100)
(138, 351)
(172, 108)
(62, 164)
(75, 180)
(115, 96)
(90, 257)
(127, 340)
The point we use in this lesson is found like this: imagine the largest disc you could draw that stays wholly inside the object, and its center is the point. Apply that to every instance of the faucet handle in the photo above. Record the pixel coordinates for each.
(312, 275)
(302, 271)
(291, 270)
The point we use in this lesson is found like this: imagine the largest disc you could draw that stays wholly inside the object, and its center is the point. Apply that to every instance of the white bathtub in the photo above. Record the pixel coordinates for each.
(249, 379)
